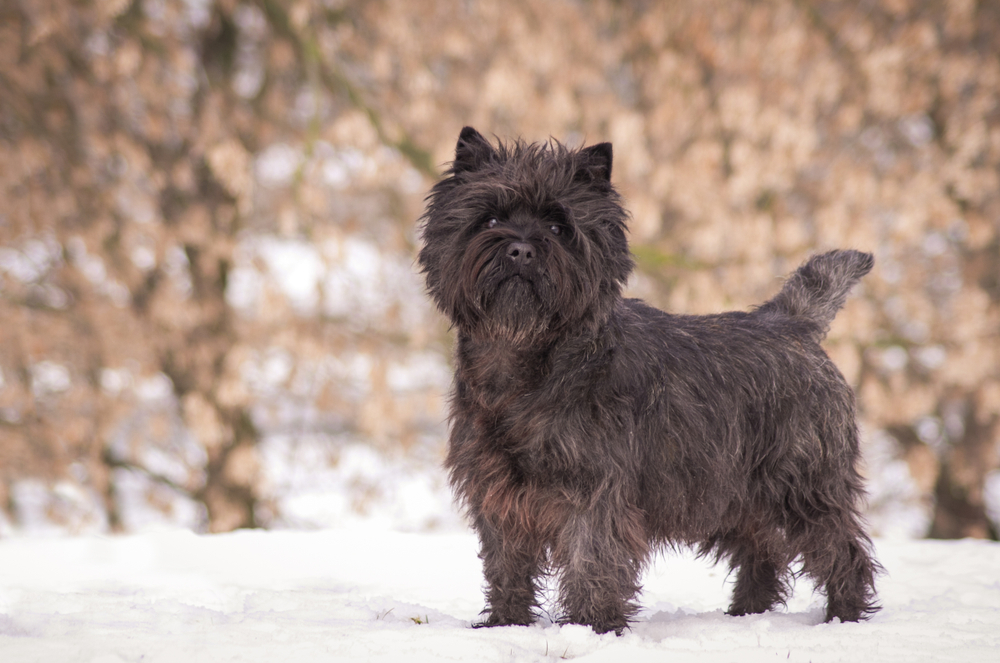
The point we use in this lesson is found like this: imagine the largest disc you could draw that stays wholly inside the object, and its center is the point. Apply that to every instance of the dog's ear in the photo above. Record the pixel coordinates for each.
(597, 161)
(472, 150)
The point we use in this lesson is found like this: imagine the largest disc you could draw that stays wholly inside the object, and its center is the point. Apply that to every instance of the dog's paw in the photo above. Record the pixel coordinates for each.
(492, 619)
(601, 626)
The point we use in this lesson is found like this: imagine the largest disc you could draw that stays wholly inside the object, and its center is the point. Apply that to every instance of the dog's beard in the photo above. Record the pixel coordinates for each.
(513, 302)
(514, 307)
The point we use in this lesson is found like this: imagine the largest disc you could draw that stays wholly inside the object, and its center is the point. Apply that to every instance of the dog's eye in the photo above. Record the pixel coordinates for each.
(554, 229)
(492, 223)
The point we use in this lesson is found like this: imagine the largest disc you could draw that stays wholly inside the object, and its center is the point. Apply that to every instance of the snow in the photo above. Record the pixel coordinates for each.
(351, 278)
(369, 594)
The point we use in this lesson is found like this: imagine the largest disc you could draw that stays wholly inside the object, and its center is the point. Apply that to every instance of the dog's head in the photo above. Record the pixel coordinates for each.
(524, 241)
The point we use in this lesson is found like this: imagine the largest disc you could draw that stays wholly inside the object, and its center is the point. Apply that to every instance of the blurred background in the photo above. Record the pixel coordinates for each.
(209, 311)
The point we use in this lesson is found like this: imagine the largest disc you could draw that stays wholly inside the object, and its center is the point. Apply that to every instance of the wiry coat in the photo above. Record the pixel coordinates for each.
(588, 429)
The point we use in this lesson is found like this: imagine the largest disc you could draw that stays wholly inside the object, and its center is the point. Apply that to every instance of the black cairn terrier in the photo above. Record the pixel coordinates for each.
(588, 430)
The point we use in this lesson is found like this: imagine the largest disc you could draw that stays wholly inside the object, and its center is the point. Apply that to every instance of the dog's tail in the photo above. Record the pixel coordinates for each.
(819, 288)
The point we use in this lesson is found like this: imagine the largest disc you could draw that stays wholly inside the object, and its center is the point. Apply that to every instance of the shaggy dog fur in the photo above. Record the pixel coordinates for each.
(589, 430)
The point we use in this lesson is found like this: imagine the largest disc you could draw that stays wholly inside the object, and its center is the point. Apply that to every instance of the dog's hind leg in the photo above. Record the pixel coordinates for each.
(756, 554)
(828, 532)
(837, 555)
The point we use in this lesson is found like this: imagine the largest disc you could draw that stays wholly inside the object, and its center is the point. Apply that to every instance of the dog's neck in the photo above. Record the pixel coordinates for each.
(495, 370)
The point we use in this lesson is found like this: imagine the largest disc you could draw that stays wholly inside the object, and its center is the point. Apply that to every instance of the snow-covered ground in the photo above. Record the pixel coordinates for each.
(365, 594)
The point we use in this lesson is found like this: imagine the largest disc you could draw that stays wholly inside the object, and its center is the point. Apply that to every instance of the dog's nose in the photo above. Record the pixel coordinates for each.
(521, 253)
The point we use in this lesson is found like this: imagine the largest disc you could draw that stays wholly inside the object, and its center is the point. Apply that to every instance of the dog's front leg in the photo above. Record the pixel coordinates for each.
(515, 524)
(599, 555)
(512, 563)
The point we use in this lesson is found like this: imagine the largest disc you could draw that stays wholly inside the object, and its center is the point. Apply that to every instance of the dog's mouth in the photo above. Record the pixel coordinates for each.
(516, 278)
(518, 285)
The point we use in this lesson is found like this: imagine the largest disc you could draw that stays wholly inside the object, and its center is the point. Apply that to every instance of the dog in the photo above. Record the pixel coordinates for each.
(589, 430)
